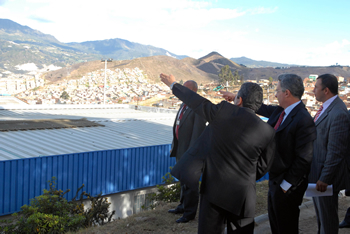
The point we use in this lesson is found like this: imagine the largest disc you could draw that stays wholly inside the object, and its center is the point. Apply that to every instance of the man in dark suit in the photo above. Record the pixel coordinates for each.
(188, 126)
(235, 149)
(295, 133)
(329, 166)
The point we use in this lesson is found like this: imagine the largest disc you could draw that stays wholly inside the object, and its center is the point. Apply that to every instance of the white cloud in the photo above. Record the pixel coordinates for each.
(345, 42)
(161, 23)
(182, 27)
(262, 10)
(38, 1)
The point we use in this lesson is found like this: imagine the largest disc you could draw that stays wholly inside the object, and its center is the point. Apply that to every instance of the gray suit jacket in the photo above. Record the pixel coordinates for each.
(331, 147)
(191, 127)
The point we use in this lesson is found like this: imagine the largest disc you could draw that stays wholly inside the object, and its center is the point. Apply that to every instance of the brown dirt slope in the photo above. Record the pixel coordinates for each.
(213, 62)
(159, 221)
(205, 69)
(151, 66)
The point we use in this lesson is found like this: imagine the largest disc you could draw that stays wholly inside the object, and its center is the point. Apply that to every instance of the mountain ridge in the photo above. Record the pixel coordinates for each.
(33, 46)
(259, 63)
(10, 27)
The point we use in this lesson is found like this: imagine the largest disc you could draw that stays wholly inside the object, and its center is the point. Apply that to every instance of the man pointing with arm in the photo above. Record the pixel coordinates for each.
(234, 150)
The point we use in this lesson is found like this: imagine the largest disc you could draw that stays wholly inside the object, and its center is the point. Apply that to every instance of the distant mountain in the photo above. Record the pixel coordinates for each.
(256, 64)
(22, 45)
(121, 49)
(13, 31)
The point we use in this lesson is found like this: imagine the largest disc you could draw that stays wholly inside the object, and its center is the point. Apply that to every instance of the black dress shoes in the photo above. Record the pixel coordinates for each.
(344, 224)
(176, 211)
(182, 220)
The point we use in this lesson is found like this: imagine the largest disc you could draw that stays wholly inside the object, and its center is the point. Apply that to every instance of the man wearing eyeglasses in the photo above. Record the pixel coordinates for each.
(295, 133)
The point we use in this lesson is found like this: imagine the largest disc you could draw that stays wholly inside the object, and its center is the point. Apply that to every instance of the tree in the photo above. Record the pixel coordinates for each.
(242, 79)
(225, 75)
(64, 95)
(235, 77)
(270, 81)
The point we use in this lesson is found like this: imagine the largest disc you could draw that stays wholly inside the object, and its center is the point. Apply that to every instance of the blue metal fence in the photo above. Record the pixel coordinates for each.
(107, 171)
(265, 177)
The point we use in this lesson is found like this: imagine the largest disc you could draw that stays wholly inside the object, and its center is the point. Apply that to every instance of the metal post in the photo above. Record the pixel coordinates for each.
(104, 86)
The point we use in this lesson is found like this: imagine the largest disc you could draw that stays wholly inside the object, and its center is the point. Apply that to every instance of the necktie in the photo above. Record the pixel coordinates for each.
(318, 113)
(279, 120)
(179, 119)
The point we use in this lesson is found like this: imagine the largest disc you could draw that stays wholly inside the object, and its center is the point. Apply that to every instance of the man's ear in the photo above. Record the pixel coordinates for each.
(326, 90)
(240, 101)
(287, 93)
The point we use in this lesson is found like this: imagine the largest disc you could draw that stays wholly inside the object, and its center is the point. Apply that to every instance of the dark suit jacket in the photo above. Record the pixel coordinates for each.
(331, 147)
(191, 127)
(234, 149)
(294, 143)
(347, 157)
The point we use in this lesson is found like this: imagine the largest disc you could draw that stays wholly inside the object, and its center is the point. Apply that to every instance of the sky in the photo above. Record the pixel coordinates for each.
(302, 32)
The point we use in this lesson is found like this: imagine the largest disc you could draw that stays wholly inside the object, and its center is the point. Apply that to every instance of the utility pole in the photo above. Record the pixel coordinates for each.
(104, 86)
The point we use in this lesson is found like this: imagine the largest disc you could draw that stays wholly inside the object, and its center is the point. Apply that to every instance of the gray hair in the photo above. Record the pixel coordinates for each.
(293, 83)
(252, 95)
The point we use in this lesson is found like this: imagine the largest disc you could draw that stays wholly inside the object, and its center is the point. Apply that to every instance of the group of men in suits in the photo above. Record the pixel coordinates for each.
(230, 156)
(234, 143)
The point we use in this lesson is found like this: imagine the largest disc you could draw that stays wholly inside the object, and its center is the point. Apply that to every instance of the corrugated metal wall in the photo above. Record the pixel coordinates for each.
(107, 171)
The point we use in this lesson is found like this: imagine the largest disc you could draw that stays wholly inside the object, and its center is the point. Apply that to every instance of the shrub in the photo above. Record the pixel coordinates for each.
(165, 193)
(52, 213)
(97, 214)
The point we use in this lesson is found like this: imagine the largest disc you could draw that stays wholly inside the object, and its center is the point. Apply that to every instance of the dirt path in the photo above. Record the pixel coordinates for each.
(309, 224)
(307, 221)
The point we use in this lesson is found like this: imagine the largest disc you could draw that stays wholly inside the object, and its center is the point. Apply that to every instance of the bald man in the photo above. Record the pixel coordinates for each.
(188, 126)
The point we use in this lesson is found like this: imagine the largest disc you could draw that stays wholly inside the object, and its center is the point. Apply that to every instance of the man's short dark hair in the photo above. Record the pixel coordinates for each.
(252, 95)
(293, 83)
(329, 81)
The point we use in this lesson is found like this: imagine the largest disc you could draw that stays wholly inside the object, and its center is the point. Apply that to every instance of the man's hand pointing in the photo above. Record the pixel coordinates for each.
(167, 79)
